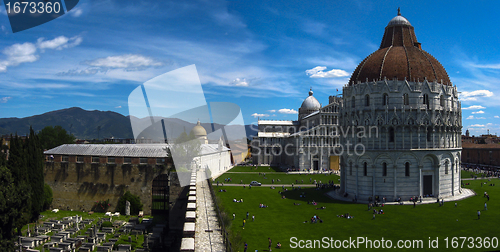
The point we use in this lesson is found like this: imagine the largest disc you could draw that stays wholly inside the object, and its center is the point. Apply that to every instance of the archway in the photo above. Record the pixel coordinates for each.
(160, 194)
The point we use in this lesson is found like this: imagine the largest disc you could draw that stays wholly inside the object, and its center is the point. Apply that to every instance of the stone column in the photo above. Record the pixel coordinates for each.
(420, 180)
(395, 182)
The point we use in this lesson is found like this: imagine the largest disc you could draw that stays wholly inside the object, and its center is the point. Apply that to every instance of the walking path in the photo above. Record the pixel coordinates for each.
(208, 233)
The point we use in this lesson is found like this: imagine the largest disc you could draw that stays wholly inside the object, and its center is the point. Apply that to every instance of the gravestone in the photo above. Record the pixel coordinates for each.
(127, 208)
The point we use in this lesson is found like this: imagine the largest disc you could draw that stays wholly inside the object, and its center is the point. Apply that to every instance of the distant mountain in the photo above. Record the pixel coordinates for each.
(83, 124)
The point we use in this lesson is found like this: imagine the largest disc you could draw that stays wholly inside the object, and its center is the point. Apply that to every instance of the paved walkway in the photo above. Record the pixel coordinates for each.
(206, 220)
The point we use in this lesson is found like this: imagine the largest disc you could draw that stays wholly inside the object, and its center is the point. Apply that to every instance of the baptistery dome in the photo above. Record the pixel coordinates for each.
(310, 103)
(400, 57)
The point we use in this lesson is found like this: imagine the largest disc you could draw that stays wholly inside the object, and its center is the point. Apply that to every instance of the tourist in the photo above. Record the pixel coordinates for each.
(253, 217)
(244, 221)
(478, 214)
(270, 244)
(485, 206)
(246, 247)
(247, 215)
(234, 216)
(278, 245)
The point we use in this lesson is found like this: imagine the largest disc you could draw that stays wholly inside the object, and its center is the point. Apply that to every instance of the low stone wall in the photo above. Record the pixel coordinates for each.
(78, 186)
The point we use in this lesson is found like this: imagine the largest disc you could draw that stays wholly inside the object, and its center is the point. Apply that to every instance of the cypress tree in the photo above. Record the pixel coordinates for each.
(34, 160)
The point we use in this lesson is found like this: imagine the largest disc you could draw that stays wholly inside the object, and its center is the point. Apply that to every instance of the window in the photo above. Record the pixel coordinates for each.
(385, 99)
(365, 169)
(143, 160)
(407, 169)
(127, 160)
(65, 158)
(452, 103)
(429, 135)
(441, 100)
(111, 160)
(446, 168)
(406, 99)
(384, 169)
(353, 102)
(160, 160)
(79, 159)
(95, 159)
(391, 134)
(367, 100)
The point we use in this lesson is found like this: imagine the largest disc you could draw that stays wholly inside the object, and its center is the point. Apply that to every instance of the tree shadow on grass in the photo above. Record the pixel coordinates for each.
(311, 194)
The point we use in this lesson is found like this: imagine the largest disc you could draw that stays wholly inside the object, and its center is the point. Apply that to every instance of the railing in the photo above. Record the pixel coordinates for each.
(225, 234)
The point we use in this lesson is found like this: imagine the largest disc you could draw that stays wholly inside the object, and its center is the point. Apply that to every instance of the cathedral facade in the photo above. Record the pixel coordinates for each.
(394, 132)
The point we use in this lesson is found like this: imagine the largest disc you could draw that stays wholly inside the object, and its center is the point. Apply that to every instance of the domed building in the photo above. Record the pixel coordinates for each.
(200, 133)
(395, 132)
(406, 119)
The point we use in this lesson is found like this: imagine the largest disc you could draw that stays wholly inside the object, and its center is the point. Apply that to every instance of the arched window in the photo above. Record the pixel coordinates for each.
(384, 169)
(446, 167)
(426, 99)
(391, 134)
(441, 100)
(367, 100)
(452, 103)
(365, 169)
(350, 168)
(406, 99)
(385, 99)
(429, 134)
(353, 102)
(407, 169)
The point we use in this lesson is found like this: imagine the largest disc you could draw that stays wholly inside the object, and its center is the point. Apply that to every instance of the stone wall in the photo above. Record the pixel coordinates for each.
(78, 186)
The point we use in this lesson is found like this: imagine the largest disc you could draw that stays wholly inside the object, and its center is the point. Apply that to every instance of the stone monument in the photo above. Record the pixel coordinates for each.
(127, 208)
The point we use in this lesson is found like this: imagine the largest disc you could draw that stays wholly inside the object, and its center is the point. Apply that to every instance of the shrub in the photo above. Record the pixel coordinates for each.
(106, 224)
(101, 206)
(48, 197)
(135, 203)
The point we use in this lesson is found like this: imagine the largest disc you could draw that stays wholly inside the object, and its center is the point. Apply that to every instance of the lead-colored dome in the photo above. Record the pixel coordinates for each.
(400, 57)
(198, 130)
(310, 103)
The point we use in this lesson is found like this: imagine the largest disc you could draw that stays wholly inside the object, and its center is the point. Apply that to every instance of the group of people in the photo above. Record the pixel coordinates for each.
(238, 201)
(347, 216)
(263, 206)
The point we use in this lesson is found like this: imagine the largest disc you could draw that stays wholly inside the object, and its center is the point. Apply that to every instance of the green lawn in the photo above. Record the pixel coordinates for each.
(283, 220)
(254, 169)
(284, 177)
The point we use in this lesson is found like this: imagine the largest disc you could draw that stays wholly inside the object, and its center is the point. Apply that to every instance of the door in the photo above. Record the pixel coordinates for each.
(427, 184)
(315, 165)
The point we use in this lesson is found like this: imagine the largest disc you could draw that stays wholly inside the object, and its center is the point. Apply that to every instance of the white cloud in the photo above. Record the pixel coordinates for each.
(59, 43)
(317, 72)
(470, 117)
(118, 107)
(76, 12)
(259, 115)
(477, 125)
(480, 117)
(239, 82)
(272, 110)
(496, 117)
(474, 107)
(478, 112)
(288, 111)
(17, 54)
(473, 95)
(5, 99)
(128, 61)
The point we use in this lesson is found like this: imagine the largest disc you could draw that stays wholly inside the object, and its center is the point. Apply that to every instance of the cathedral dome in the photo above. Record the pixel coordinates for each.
(401, 57)
(198, 130)
(310, 103)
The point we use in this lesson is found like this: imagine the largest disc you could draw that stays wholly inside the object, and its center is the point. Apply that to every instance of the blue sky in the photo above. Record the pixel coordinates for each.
(263, 56)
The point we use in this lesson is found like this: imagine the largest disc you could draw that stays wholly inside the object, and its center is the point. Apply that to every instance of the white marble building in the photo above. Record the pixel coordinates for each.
(396, 129)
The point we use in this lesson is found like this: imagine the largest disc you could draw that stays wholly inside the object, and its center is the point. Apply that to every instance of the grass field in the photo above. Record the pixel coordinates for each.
(284, 177)
(254, 169)
(284, 220)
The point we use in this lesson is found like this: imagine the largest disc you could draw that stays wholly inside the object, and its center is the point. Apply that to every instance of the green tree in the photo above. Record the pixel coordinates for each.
(135, 203)
(12, 198)
(17, 167)
(48, 197)
(34, 164)
(51, 137)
